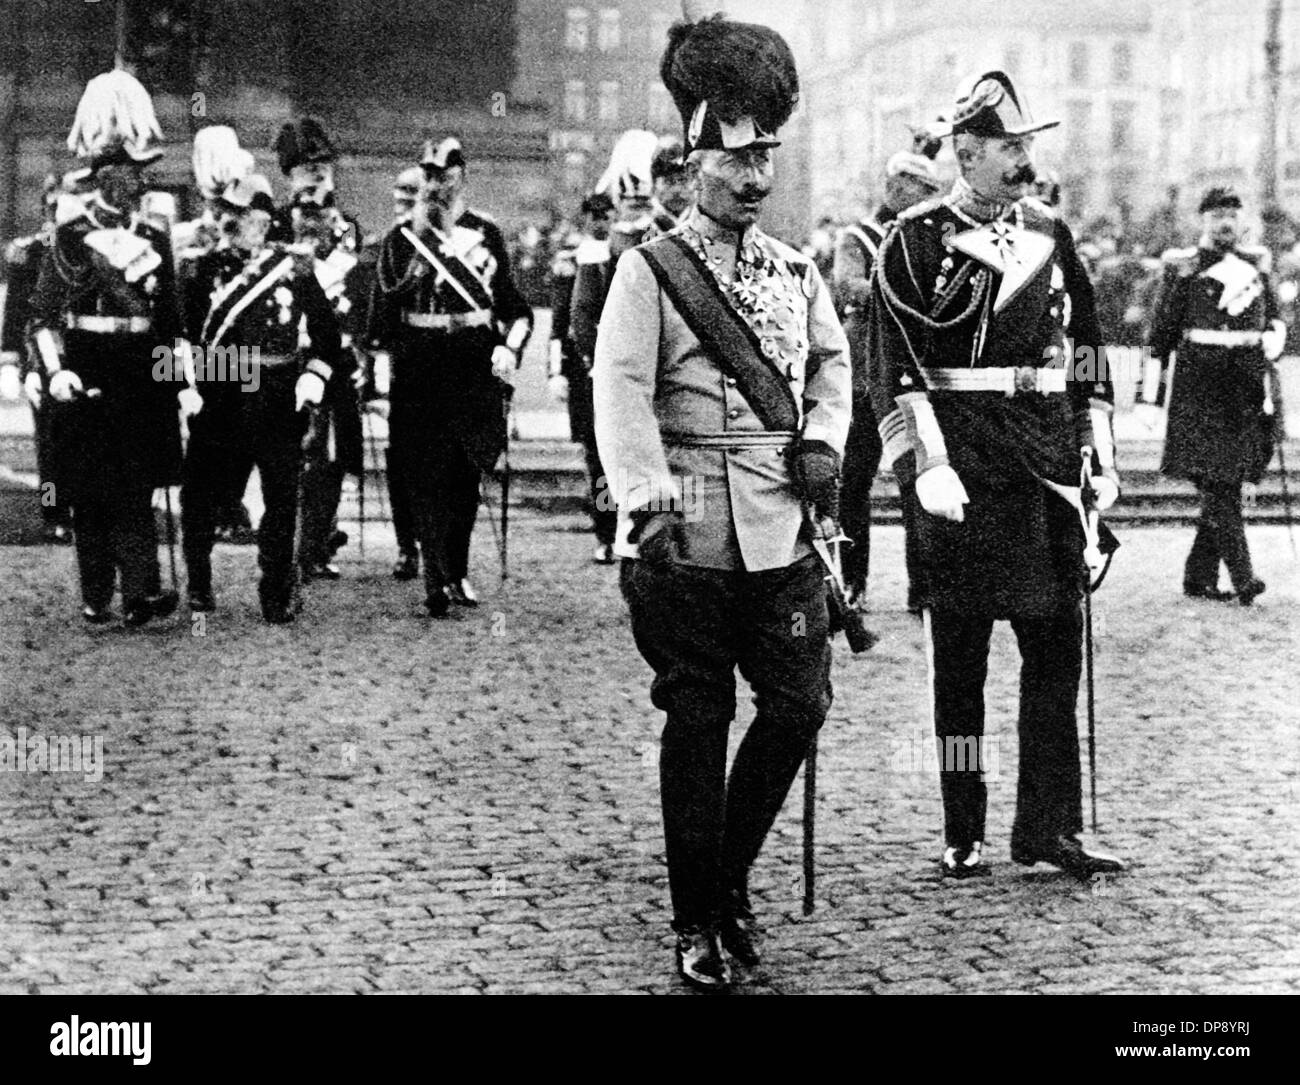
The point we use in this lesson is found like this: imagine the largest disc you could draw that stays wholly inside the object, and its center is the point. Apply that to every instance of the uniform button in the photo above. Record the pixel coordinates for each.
(731, 382)
(733, 414)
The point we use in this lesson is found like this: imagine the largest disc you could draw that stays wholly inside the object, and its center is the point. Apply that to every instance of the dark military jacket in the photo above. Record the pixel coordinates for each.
(442, 323)
(119, 327)
(1217, 428)
(1024, 303)
(23, 257)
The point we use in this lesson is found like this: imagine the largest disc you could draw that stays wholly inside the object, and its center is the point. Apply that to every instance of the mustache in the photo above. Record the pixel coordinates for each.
(746, 194)
(1025, 175)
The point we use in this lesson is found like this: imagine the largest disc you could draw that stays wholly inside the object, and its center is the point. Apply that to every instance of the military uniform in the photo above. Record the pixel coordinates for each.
(975, 311)
(23, 259)
(254, 306)
(336, 449)
(119, 440)
(672, 424)
(447, 417)
(1214, 308)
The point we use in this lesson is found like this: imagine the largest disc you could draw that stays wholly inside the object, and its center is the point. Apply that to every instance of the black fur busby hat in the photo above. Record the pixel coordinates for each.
(303, 142)
(669, 158)
(1219, 196)
(734, 84)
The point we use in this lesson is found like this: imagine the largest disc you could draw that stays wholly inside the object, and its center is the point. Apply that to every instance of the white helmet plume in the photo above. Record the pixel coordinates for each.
(628, 172)
(219, 159)
(114, 110)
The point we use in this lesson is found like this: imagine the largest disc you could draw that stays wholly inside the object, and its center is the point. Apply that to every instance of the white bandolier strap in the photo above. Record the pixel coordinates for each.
(555, 359)
(447, 322)
(48, 349)
(315, 365)
(1103, 438)
(924, 437)
(1009, 380)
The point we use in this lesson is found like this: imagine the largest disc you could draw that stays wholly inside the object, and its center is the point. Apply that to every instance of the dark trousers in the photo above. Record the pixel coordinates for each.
(443, 486)
(1220, 536)
(399, 496)
(912, 512)
(55, 506)
(695, 627)
(230, 510)
(862, 455)
(322, 489)
(114, 530)
(263, 427)
(1049, 799)
(582, 427)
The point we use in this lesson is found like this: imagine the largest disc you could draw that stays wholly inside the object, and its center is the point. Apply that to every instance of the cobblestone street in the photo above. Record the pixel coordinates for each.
(368, 801)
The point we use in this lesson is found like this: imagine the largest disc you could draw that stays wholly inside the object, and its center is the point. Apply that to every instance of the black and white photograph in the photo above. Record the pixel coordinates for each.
(674, 497)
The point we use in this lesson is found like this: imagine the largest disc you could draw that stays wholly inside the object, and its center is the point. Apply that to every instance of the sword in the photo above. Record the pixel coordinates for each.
(809, 827)
(1088, 498)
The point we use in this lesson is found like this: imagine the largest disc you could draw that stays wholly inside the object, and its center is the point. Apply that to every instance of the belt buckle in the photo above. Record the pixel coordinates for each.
(1024, 379)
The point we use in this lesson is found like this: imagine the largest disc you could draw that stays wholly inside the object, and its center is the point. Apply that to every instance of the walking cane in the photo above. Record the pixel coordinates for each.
(361, 485)
(171, 536)
(507, 394)
(1286, 495)
(809, 827)
(1088, 497)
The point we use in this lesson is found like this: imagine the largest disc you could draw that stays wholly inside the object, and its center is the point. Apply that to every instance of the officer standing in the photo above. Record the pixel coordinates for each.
(445, 305)
(107, 285)
(19, 371)
(909, 179)
(256, 383)
(1217, 312)
(722, 393)
(974, 298)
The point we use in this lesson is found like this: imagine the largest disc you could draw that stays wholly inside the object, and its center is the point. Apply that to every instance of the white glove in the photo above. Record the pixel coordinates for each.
(1273, 340)
(383, 372)
(309, 389)
(504, 361)
(377, 406)
(11, 385)
(191, 402)
(559, 388)
(32, 386)
(941, 493)
(64, 385)
(1106, 491)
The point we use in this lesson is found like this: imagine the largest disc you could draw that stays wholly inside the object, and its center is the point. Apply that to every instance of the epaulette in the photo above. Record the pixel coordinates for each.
(1179, 261)
(17, 249)
(591, 251)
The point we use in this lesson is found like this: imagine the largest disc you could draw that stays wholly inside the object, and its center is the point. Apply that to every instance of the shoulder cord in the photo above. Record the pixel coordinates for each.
(977, 296)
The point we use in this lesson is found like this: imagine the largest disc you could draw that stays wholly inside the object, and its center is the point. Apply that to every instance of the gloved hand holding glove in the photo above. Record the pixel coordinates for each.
(190, 401)
(309, 389)
(64, 385)
(660, 537)
(504, 361)
(817, 477)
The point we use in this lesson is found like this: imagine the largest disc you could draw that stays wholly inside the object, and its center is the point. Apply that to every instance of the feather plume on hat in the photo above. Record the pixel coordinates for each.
(115, 121)
(303, 142)
(628, 172)
(734, 84)
(219, 159)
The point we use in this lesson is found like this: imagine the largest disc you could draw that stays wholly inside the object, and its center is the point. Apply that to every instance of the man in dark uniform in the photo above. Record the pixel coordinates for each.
(378, 383)
(909, 179)
(974, 297)
(18, 368)
(722, 392)
(255, 381)
(107, 286)
(335, 448)
(569, 373)
(1217, 312)
(671, 197)
(447, 308)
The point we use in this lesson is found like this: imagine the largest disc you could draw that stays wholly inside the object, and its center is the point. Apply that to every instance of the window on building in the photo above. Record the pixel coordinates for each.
(575, 101)
(1077, 115)
(660, 109)
(609, 32)
(1078, 62)
(1121, 66)
(1121, 126)
(607, 102)
(575, 29)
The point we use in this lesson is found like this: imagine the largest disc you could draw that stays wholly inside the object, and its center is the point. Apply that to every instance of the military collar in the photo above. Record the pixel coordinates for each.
(976, 209)
(712, 232)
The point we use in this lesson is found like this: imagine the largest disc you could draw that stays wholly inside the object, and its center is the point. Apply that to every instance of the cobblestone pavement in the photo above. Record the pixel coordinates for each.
(367, 801)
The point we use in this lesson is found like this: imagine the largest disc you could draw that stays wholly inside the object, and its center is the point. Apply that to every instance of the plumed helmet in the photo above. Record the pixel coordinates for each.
(218, 159)
(988, 105)
(1219, 196)
(115, 122)
(443, 155)
(303, 142)
(628, 172)
(734, 84)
